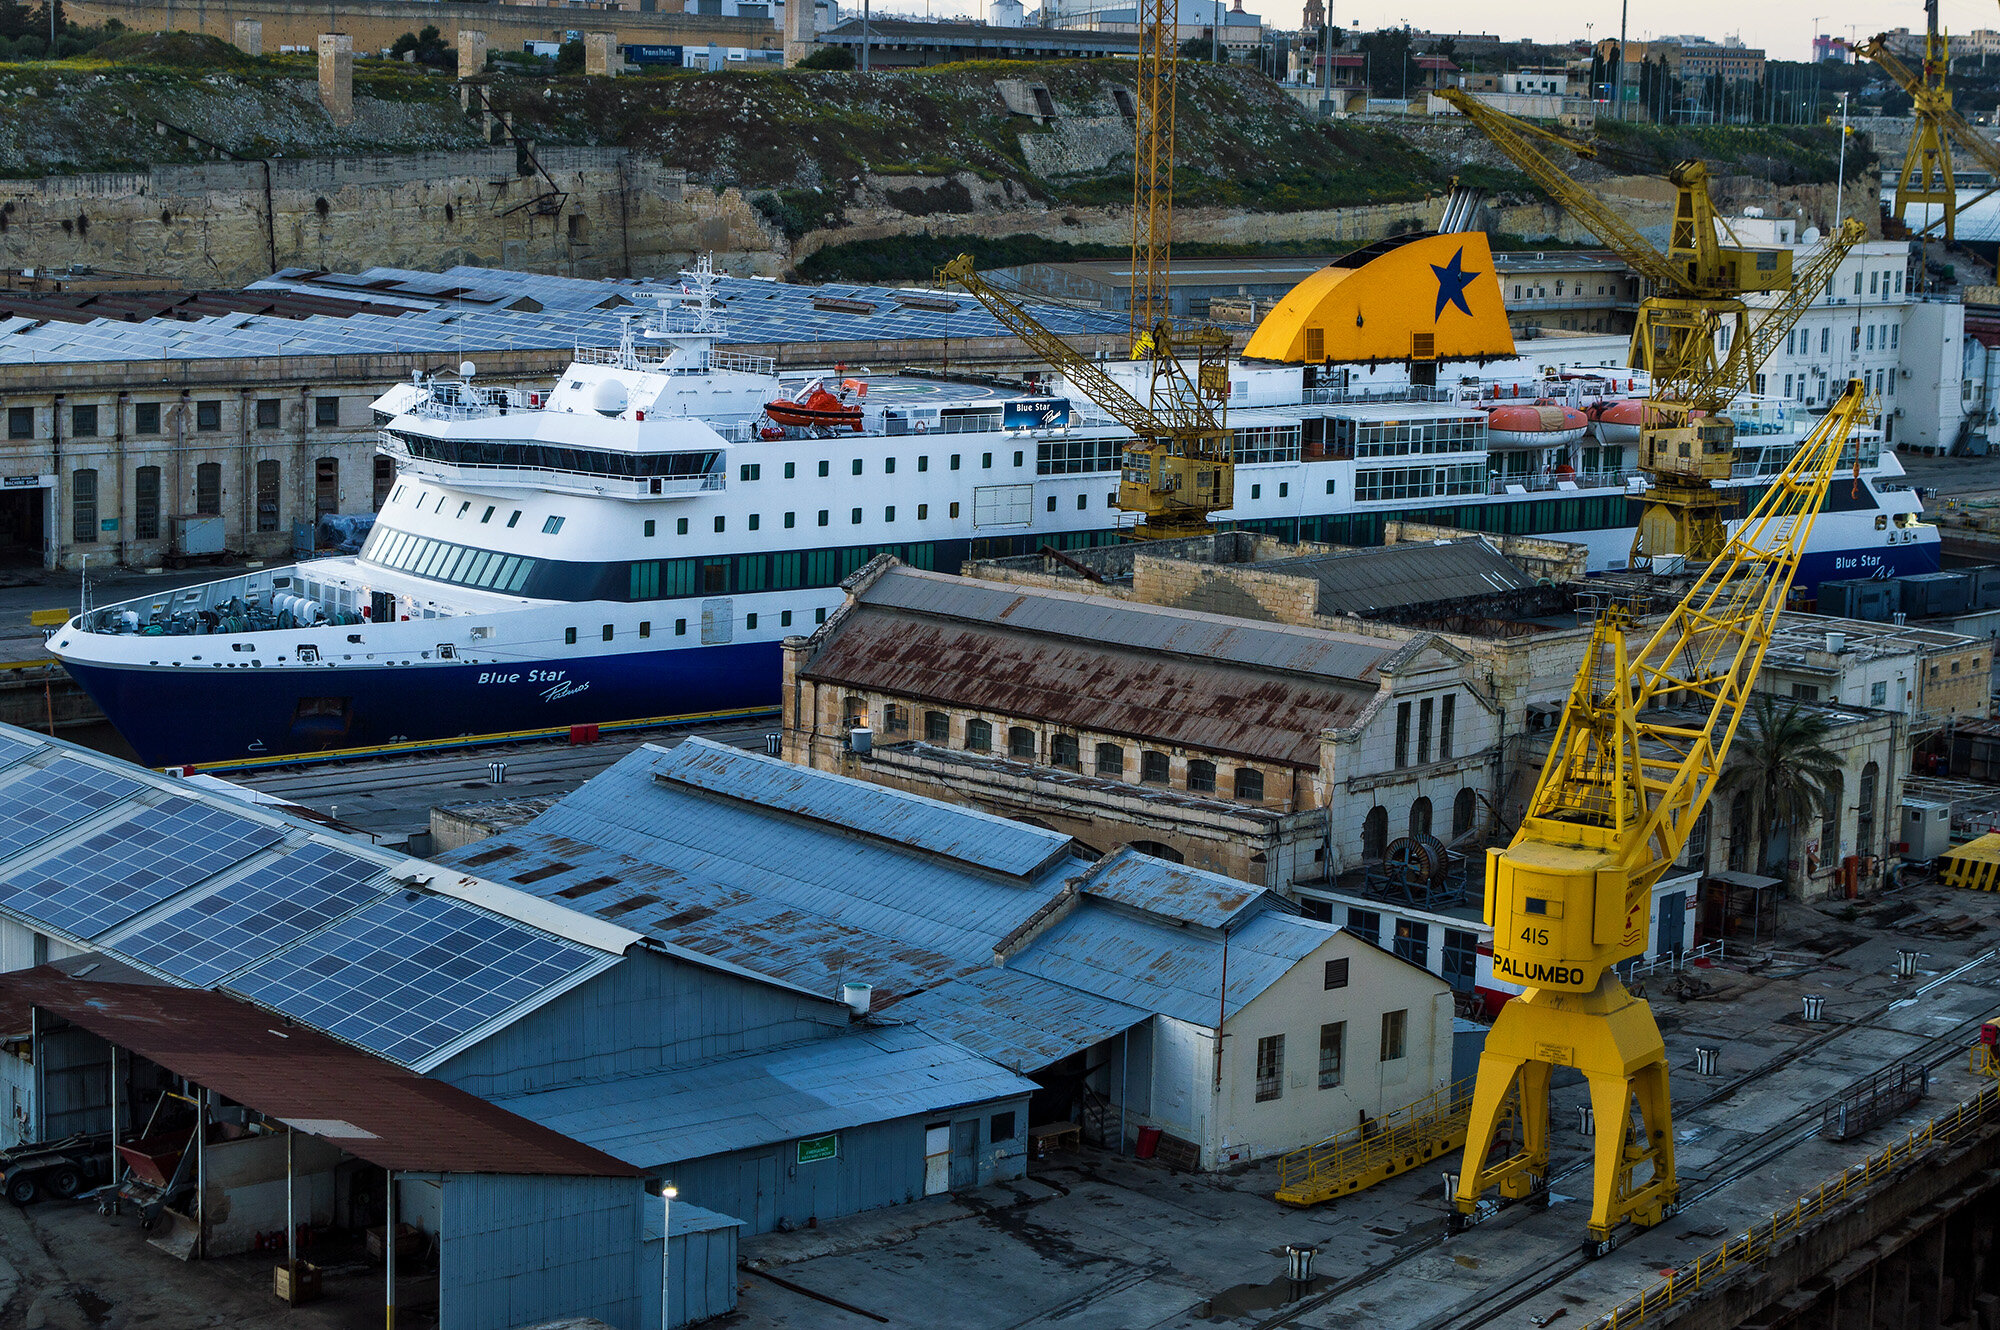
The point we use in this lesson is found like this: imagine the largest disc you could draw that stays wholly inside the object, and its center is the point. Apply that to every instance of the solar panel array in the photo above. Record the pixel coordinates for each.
(411, 975)
(573, 312)
(61, 794)
(267, 908)
(135, 864)
(13, 750)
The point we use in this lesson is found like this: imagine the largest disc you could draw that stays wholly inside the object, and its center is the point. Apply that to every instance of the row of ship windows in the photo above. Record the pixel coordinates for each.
(1064, 750)
(609, 632)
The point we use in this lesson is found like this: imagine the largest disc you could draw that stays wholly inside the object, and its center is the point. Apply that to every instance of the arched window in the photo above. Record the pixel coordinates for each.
(979, 736)
(1159, 851)
(1111, 760)
(1063, 751)
(1739, 831)
(1462, 812)
(1153, 768)
(853, 712)
(1249, 785)
(1021, 743)
(1829, 822)
(1201, 777)
(1375, 833)
(1864, 817)
(1420, 818)
(83, 501)
(937, 727)
(895, 719)
(208, 489)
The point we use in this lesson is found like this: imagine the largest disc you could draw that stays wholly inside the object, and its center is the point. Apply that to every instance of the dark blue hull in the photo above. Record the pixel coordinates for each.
(186, 716)
(1889, 561)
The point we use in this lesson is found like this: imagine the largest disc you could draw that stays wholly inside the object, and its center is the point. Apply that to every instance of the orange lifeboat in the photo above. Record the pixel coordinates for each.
(1619, 421)
(817, 408)
(1540, 424)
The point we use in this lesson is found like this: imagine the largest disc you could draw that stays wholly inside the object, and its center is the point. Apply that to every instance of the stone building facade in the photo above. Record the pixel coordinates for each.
(1271, 754)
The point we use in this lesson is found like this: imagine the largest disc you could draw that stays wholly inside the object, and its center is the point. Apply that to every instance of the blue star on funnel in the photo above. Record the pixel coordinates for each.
(1452, 281)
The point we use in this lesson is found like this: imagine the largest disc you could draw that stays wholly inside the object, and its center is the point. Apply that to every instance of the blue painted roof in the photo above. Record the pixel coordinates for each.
(688, 1218)
(1158, 887)
(965, 834)
(1016, 1019)
(772, 863)
(871, 1074)
(1159, 966)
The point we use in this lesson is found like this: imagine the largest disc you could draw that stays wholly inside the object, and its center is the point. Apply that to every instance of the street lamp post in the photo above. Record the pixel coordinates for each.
(667, 1194)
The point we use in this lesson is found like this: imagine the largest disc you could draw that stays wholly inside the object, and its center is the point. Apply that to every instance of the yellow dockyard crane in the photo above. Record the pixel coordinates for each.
(1693, 336)
(1926, 175)
(1179, 469)
(1636, 757)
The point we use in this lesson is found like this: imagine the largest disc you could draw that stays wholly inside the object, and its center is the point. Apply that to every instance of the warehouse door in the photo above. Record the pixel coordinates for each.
(757, 1192)
(965, 1154)
(23, 521)
(937, 1158)
(1673, 924)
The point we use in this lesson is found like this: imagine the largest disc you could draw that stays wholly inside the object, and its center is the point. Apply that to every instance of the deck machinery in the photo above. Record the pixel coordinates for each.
(1635, 758)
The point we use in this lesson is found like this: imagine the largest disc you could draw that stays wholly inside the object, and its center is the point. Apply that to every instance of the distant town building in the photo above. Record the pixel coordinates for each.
(896, 43)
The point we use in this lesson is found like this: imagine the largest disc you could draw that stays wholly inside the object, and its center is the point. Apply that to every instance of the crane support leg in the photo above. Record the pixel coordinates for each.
(1610, 1037)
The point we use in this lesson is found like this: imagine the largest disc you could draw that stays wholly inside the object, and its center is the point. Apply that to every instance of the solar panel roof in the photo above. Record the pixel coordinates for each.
(254, 915)
(412, 975)
(462, 312)
(58, 795)
(135, 864)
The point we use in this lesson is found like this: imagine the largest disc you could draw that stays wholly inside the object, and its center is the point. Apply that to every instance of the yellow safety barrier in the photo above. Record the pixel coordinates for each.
(1986, 1061)
(1757, 1245)
(1974, 865)
(43, 663)
(1363, 1156)
(48, 618)
(412, 746)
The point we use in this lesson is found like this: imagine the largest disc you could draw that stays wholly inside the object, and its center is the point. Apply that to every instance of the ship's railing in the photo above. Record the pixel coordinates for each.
(476, 474)
(655, 361)
(1412, 392)
(464, 402)
(1582, 480)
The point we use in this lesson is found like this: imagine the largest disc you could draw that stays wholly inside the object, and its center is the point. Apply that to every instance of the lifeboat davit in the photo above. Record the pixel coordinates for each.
(815, 408)
(1619, 421)
(1538, 424)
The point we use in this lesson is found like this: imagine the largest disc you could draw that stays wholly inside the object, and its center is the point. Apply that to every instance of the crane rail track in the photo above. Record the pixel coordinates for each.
(1738, 1162)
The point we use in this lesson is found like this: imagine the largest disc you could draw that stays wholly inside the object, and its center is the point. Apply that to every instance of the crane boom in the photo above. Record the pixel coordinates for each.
(1153, 166)
(1513, 136)
(1926, 175)
(1637, 754)
(1180, 469)
(1719, 387)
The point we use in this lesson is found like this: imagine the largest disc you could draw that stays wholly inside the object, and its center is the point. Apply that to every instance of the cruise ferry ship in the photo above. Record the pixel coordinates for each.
(639, 538)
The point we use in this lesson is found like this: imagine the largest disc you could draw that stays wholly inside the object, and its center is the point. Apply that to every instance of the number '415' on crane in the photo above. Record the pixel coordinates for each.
(1637, 755)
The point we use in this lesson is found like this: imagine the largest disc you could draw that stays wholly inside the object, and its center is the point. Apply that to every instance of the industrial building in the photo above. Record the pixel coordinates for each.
(1107, 979)
(637, 1055)
(142, 426)
(1265, 751)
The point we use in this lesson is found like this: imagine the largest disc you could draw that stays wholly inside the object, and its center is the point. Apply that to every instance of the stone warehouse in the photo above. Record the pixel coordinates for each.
(1266, 752)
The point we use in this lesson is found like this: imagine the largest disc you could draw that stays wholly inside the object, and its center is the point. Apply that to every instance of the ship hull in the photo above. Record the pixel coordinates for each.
(186, 717)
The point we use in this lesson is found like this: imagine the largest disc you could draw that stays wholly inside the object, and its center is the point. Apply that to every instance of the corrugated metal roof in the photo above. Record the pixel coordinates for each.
(1173, 700)
(871, 1074)
(1159, 966)
(1019, 1020)
(1158, 887)
(363, 1104)
(688, 1218)
(967, 835)
(1312, 652)
(1362, 581)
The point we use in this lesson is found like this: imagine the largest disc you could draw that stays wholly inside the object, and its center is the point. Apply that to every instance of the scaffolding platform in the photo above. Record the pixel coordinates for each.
(1974, 865)
(1380, 1148)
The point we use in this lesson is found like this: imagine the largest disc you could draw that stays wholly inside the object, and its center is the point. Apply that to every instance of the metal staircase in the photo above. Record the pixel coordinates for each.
(1380, 1148)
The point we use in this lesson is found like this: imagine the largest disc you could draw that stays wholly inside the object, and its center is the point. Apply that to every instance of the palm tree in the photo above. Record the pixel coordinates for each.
(1781, 756)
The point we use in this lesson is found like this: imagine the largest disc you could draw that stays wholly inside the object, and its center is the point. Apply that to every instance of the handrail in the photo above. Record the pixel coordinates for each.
(1388, 1134)
(1758, 1244)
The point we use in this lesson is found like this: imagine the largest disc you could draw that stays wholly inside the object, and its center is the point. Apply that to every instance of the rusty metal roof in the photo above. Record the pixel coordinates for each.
(1158, 887)
(1261, 691)
(1414, 573)
(363, 1104)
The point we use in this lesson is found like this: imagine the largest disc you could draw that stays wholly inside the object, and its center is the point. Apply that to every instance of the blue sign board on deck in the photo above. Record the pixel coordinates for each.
(1035, 413)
